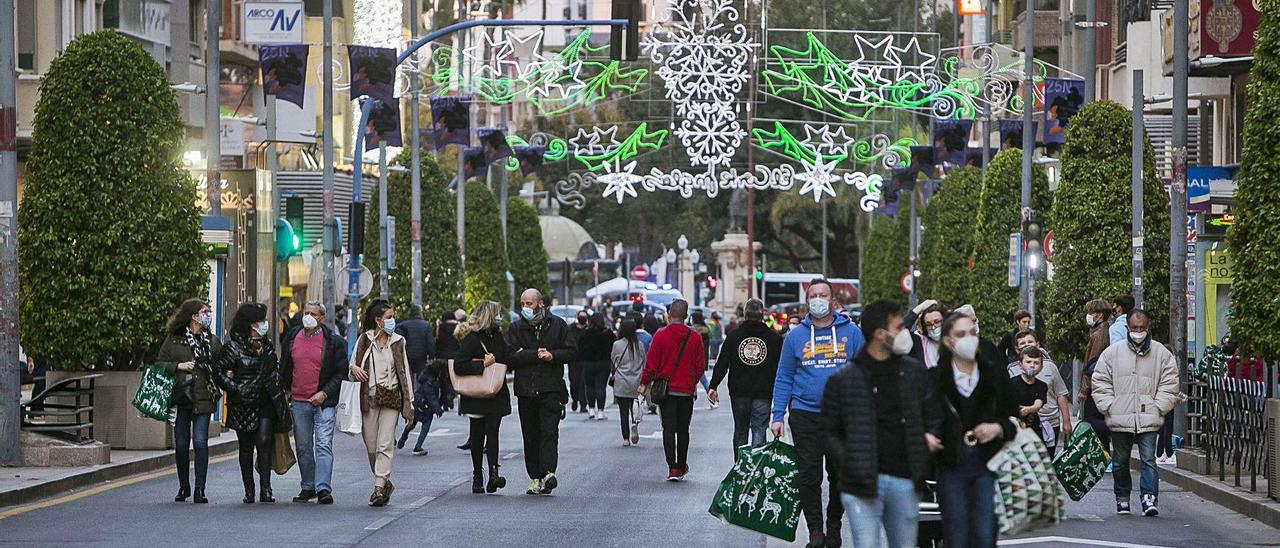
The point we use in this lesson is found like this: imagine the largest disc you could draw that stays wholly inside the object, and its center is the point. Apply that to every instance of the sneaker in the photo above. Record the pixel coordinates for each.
(626, 442)
(602, 416)
(419, 451)
(1149, 506)
(535, 488)
(1108, 468)
(324, 497)
(684, 471)
(1122, 508)
(305, 496)
(549, 483)
(400, 443)
(713, 406)
(635, 434)
(673, 474)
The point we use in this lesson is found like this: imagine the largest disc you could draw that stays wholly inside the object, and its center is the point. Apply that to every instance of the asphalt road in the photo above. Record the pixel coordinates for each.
(609, 495)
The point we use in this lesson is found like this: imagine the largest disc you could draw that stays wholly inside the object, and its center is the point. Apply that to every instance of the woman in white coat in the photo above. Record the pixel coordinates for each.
(628, 363)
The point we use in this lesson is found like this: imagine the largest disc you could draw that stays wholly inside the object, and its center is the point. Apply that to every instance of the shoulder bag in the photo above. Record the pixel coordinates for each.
(483, 386)
(659, 386)
(384, 397)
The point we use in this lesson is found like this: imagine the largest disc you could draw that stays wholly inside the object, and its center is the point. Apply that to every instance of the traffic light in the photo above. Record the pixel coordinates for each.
(287, 241)
(624, 44)
(294, 212)
(712, 284)
(1032, 236)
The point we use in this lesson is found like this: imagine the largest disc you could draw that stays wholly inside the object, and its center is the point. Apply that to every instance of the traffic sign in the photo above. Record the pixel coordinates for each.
(1048, 247)
(640, 272)
(905, 282)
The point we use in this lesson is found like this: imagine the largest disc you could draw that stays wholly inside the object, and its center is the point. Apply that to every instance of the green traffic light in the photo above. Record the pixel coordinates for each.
(759, 275)
(297, 243)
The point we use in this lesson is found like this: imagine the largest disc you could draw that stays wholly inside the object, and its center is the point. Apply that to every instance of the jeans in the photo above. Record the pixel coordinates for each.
(1122, 442)
(895, 507)
(811, 452)
(749, 416)
(1165, 447)
(191, 429)
(595, 376)
(966, 496)
(625, 408)
(313, 438)
(422, 434)
(260, 440)
(540, 427)
(677, 413)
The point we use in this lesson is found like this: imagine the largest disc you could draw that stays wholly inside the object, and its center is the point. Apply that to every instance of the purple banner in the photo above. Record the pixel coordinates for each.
(922, 161)
(474, 161)
(1011, 133)
(950, 141)
(494, 141)
(1063, 98)
(373, 72)
(284, 72)
(383, 126)
(451, 120)
(531, 158)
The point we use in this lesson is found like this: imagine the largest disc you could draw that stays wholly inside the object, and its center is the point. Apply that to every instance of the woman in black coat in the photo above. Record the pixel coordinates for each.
(976, 425)
(247, 369)
(595, 346)
(481, 346)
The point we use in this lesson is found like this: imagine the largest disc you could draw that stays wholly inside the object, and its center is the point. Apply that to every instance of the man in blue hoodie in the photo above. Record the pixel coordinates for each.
(812, 352)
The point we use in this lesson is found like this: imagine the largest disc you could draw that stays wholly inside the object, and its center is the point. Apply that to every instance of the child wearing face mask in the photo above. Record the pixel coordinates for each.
(1028, 392)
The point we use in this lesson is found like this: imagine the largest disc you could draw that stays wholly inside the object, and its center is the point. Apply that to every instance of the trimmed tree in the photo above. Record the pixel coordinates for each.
(525, 249)
(999, 214)
(947, 237)
(441, 265)
(1090, 222)
(886, 258)
(486, 260)
(108, 229)
(1255, 314)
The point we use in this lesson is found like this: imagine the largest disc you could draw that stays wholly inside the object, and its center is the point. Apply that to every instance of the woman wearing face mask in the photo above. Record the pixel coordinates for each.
(925, 320)
(973, 393)
(381, 366)
(1097, 317)
(187, 354)
(247, 370)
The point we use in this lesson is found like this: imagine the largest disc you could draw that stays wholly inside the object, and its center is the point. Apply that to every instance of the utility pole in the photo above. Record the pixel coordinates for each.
(502, 165)
(332, 243)
(1135, 183)
(1178, 204)
(1090, 53)
(415, 177)
(273, 310)
(986, 109)
(751, 168)
(1028, 141)
(10, 369)
(461, 207)
(384, 234)
(825, 272)
(212, 118)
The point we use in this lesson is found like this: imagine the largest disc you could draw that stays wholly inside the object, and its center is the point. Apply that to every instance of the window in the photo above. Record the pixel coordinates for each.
(26, 35)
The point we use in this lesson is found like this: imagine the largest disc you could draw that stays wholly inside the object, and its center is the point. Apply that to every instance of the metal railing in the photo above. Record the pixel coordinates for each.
(1227, 421)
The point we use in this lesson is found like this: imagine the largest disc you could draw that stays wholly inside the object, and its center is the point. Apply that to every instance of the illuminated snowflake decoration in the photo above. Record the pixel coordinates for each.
(818, 178)
(621, 183)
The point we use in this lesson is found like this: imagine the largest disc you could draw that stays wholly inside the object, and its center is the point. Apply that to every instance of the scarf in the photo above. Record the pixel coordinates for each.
(199, 345)
(1140, 349)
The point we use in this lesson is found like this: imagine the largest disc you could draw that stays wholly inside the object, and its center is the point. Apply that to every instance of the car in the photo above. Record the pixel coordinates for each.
(783, 312)
(569, 312)
(619, 310)
(663, 297)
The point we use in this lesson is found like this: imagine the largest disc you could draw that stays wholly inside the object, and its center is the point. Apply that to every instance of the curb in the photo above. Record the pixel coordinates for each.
(1237, 499)
(219, 446)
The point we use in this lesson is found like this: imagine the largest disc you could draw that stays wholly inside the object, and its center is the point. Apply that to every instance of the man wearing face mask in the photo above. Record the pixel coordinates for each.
(540, 346)
(1135, 386)
(313, 364)
(881, 425)
(812, 352)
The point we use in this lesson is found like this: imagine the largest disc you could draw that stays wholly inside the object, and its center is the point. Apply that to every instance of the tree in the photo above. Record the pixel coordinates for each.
(441, 284)
(886, 257)
(108, 229)
(947, 237)
(1090, 222)
(486, 260)
(525, 249)
(1255, 315)
(999, 214)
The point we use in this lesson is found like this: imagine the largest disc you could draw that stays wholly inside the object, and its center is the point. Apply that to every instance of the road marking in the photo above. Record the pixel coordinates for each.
(380, 523)
(421, 502)
(1069, 540)
(18, 510)
(442, 432)
(509, 456)
(458, 482)
(657, 435)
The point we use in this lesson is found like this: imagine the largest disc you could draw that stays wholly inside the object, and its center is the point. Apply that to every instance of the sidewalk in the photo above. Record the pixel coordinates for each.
(1253, 504)
(24, 484)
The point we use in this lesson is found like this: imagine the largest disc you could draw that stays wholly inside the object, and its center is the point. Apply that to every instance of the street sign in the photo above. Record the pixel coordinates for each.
(231, 137)
(272, 23)
(1015, 258)
(1048, 247)
(366, 277)
(906, 282)
(640, 272)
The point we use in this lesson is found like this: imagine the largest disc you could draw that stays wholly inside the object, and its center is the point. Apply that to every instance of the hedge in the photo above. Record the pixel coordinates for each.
(946, 238)
(1091, 227)
(886, 257)
(525, 249)
(108, 229)
(486, 260)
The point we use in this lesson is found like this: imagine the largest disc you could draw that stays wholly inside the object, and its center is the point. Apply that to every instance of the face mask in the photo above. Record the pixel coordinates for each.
(206, 319)
(819, 308)
(1089, 320)
(1137, 338)
(966, 348)
(389, 326)
(902, 342)
(1029, 371)
(527, 313)
(935, 334)
(261, 328)
(309, 322)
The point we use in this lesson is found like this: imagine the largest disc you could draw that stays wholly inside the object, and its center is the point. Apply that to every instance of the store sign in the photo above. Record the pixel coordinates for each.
(231, 137)
(970, 7)
(273, 23)
(145, 19)
(1218, 268)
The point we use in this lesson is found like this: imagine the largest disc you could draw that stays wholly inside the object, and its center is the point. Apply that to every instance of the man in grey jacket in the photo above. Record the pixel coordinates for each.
(1135, 385)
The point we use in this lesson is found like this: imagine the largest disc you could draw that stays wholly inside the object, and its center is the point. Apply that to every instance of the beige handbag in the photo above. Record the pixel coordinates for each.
(485, 385)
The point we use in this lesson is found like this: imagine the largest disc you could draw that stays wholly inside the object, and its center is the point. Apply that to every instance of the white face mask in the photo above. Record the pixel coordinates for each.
(966, 348)
(1137, 338)
(819, 308)
(309, 321)
(902, 342)
(935, 334)
(1089, 320)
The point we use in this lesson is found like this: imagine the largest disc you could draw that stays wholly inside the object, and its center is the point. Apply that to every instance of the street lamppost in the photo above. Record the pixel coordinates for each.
(683, 244)
(671, 263)
(693, 274)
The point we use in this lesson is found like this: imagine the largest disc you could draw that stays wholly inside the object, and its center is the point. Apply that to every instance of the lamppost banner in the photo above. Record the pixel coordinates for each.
(284, 72)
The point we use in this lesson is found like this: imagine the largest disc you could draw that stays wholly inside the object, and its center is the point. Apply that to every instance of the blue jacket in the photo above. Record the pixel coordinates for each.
(1119, 329)
(803, 370)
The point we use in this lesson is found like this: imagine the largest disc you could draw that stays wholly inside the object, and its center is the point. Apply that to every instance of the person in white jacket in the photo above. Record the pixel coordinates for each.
(1135, 385)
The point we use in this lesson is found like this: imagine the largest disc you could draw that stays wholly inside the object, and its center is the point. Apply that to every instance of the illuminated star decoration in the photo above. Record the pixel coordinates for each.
(621, 183)
(817, 179)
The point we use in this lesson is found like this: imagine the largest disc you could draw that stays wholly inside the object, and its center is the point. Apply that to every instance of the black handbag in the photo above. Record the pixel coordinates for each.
(660, 386)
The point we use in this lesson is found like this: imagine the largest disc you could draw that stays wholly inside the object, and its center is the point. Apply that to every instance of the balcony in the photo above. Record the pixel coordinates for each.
(1048, 30)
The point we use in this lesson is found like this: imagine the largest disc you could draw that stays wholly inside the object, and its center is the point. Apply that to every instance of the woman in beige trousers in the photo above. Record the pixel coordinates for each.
(381, 367)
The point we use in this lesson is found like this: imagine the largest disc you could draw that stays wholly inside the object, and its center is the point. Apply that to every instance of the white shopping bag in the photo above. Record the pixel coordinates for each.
(349, 418)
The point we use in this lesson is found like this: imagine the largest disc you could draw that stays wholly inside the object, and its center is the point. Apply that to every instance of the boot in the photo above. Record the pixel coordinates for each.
(264, 495)
(183, 493)
(833, 535)
(477, 482)
(495, 481)
(378, 498)
(199, 496)
(248, 495)
(816, 539)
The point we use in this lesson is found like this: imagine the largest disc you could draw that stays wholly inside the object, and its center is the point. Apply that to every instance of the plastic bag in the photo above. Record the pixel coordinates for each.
(282, 457)
(769, 501)
(348, 413)
(1082, 462)
(1027, 491)
(731, 486)
(154, 392)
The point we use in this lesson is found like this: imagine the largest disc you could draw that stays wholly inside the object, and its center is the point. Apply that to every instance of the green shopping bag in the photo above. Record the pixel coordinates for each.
(1082, 461)
(769, 501)
(738, 476)
(152, 398)
(1027, 491)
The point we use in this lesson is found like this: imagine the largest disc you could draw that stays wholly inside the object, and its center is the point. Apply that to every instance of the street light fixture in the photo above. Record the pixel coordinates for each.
(187, 87)
(1211, 61)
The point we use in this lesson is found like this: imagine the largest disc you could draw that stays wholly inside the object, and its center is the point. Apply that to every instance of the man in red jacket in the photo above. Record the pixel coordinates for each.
(677, 356)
